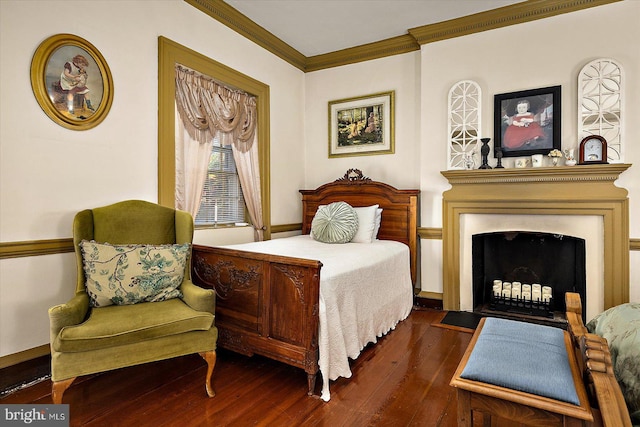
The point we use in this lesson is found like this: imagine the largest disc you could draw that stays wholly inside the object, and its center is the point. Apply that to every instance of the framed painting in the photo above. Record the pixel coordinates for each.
(527, 122)
(71, 81)
(362, 126)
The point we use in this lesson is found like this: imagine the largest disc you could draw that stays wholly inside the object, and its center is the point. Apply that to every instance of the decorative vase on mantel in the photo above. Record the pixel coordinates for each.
(555, 155)
(484, 151)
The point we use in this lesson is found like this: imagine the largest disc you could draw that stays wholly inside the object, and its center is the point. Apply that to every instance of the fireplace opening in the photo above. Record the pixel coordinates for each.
(532, 262)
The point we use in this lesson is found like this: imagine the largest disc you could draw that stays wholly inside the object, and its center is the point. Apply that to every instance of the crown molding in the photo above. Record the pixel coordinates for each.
(518, 13)
(238, 22)
(366, 52)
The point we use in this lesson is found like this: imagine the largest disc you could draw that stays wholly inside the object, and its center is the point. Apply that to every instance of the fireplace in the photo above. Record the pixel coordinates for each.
(511, 271)
(581, 201)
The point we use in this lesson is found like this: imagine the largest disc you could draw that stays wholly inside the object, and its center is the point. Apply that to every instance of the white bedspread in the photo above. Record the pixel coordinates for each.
(365, 290)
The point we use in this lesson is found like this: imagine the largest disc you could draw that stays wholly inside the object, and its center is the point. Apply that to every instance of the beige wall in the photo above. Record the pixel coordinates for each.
(47, 173)
(537, 54)
(118, 159)
(400, 73)
(552, 53)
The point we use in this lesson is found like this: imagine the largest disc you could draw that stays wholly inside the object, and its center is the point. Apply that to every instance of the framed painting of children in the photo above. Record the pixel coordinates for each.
(362, 125)
(71, 81)
(527, 122)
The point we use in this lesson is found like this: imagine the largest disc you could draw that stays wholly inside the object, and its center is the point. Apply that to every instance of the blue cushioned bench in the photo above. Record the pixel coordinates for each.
(523, 372)
(522, 356)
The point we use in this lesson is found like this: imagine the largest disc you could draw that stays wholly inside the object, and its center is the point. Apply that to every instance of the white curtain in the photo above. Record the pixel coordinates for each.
(207, 108)
(248, 166)
(192, 161)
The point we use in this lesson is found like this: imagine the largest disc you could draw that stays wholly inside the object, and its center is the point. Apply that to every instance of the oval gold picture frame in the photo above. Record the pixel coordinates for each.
(71, 81)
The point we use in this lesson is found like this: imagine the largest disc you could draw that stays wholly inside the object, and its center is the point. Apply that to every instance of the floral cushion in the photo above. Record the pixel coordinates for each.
(130, 274)
(334, 223)
(620, 325)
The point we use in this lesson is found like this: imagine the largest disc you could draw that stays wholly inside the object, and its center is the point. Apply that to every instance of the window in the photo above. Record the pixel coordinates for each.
(222, 201)
(171, 53)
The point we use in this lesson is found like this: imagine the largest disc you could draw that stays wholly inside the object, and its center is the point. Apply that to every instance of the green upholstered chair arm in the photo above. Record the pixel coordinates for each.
(71, 313)
(198, 298)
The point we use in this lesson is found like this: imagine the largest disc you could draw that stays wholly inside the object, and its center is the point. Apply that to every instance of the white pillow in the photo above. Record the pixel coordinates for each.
(376, 228)
(366, 224)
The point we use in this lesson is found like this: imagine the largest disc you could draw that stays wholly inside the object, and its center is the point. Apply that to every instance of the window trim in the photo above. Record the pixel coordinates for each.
(170, 53)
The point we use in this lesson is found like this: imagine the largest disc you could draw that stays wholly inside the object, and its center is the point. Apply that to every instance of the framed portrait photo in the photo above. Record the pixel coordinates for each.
(71, 82)
(362, 125)
(527, 122)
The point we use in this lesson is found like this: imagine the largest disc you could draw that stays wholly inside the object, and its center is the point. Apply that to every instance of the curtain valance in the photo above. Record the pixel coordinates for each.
(207, 107)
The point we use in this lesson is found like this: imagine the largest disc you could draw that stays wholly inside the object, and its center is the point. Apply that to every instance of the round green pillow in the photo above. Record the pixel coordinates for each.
(335, 223)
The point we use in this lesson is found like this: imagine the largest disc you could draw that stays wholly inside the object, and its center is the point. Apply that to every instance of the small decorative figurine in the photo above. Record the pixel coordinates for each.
(570, 157)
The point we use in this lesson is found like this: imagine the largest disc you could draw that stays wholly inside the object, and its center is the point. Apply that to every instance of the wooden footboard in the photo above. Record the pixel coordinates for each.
(592, 354)
(265, 304)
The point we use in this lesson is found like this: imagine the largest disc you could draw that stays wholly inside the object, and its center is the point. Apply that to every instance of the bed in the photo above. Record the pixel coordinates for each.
(292, 299)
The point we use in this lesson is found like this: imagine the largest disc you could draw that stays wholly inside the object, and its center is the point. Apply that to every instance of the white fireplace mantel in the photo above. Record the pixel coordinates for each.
(586, 190)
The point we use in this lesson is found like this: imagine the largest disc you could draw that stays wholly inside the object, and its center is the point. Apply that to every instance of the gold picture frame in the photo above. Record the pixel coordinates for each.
(362, 125)
(71, 81)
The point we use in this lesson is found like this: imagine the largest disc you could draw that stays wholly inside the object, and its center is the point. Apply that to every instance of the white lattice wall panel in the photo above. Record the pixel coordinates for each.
(600, 107)
(464, 124)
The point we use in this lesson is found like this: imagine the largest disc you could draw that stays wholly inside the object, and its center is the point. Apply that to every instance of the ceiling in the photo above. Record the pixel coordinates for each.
(315, 27)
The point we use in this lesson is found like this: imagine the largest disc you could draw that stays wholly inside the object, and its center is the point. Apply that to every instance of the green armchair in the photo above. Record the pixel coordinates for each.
(90, 336)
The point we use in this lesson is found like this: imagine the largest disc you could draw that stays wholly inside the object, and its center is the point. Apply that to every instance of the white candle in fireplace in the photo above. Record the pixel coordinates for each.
(506, 293)
(536, 295)
(546, 297)
(497, 290)
(515, 293)
(526, 288)
(526, 295)
(506, 285)
(497, 282)
(536, 287)
(516, 285)
(546, 290)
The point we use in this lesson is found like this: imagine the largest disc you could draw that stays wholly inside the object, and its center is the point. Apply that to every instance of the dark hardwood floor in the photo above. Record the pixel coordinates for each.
(403, 380)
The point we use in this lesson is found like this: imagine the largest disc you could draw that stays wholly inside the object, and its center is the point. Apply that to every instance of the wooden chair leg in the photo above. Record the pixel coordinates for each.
(210, 358)
(58, 388)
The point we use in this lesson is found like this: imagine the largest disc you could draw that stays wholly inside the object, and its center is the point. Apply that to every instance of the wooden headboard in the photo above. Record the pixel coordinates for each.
(399, 207)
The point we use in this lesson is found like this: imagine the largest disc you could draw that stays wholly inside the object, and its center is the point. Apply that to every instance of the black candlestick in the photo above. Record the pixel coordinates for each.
(484, 151)
(499, 157)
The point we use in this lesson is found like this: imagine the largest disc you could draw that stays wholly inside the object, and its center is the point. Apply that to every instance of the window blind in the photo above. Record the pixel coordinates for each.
(222, 201)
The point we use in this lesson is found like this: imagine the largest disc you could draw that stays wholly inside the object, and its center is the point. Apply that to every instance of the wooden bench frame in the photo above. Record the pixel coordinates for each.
(601, 400)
